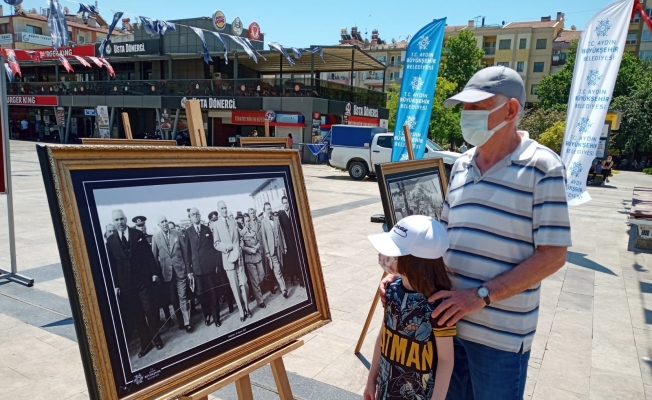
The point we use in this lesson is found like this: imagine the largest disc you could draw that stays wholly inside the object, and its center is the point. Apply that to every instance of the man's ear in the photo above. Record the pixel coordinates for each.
(513, 108)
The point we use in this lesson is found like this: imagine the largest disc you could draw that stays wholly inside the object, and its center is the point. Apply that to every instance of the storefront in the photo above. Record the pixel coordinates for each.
(47, 72)
(39, 112)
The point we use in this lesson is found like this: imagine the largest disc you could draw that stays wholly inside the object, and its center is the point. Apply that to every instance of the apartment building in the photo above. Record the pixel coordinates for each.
(525, 46)
(28, 29)
(639, 36)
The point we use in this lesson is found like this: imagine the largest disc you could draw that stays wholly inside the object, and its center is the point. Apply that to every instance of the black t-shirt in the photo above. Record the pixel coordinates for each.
(408, 358)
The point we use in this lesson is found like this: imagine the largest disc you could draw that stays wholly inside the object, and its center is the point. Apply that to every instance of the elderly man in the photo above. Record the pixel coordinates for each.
(274, 244)
(291, 259)
(134, 274)
(110, 230)
(169, 248)
(226, 238)
(508, 226)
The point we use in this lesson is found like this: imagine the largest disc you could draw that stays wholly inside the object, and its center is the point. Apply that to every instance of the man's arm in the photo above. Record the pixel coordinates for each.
(217, 241)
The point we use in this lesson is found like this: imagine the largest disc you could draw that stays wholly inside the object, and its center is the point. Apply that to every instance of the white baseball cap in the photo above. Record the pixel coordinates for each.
(416, 235)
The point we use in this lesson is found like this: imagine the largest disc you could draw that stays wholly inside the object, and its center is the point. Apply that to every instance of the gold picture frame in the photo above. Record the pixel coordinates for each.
(69, 174)
(127, 142)
(427, 176)
(264, 142)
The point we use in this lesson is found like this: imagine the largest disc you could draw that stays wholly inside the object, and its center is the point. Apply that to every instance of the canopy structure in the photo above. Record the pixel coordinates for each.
(336, 59)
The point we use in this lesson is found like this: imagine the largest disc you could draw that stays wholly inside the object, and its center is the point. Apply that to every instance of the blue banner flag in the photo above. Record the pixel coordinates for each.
(10, 73)
(13, 2)
(58, 25)
(88, 8)
(200, 33)
(226, 51)
(252, 48)
(245, 47)
(298, 53)
(281, 49)
(116, 18)
(418, 89)
(316, 50)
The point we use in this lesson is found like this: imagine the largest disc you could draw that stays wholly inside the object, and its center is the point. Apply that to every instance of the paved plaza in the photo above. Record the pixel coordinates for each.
(594, 338)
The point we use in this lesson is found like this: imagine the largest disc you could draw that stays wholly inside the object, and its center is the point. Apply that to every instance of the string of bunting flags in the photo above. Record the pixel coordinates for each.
(59, 33)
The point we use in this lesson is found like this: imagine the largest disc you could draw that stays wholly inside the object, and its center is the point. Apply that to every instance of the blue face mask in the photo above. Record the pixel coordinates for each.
(475, 125)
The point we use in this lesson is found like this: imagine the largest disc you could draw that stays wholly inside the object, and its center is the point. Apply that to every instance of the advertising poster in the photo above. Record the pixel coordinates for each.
(102, 118)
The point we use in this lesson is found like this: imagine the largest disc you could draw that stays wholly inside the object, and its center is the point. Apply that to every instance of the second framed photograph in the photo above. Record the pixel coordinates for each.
(264, 142)
(416, 187)
(182, 264)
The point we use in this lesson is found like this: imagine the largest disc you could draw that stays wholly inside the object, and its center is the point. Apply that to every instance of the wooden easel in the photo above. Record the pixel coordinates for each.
(367, 322)
(266, 127)
(243, 383)
(195, 124)
(126, 125)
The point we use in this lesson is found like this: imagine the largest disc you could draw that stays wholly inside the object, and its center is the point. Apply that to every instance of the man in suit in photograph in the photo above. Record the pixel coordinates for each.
(226, 238)
(135, 275)
(202, 266)
(290, 259)
(274, 245)
(169, 248)
(140, 224)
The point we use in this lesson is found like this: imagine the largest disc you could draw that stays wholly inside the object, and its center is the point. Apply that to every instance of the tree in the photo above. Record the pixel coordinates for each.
(553, 137)
(539, 120)
(445, 122)
(393, 93)
(461, 58)
(635, 132)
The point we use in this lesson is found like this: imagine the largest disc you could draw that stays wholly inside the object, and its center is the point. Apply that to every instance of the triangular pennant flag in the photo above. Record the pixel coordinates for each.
(315, 148)
(200, 33)
(34, 55)
(65, 63)
(96, 61)
(82, 61)
(245, 46)
(251, 46)
(316, 50)
(149, 25)
(280, 49)
(108, 67)
(164, 26)
(10, 73)
(13, 62)
(116, 18)
(219, 36)
(58, 25)
(88, 9)
(298, 53)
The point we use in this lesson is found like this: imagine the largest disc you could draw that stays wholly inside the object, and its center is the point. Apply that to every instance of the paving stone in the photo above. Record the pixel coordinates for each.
(609, 385)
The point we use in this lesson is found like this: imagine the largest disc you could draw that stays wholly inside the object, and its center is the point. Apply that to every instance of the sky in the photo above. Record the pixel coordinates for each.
(301, 23)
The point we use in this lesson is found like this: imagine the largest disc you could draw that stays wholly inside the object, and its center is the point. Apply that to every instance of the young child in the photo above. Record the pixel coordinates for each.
(413, 356)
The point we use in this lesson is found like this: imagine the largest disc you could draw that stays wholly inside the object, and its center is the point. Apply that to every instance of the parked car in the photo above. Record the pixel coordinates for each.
(358, 148)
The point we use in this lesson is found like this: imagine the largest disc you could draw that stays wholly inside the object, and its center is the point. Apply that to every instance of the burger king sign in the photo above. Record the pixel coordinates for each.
(219, 20)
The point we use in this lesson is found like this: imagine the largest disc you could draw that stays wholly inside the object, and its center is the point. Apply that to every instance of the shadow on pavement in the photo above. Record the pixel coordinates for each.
(580, 259)
(67, 321)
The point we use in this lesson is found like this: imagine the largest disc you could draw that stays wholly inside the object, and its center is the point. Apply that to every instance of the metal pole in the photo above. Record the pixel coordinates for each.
(111, 121)
(176, 122)
(68, 125)
(352, 65)
(158, 121)
(312, 70)
(13, 275)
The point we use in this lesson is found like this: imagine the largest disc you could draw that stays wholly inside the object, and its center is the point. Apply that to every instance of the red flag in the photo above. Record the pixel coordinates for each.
(34, 55)
(65, 63)
(13, 63)
(108, 67)
(82, 61)
(96, 61)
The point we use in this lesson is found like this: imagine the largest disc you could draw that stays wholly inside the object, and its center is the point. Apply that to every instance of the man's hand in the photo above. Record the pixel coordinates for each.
(155, 278)
(383, 284)
(456, 305)
(117, 292)
(229, 248)
(370, 391)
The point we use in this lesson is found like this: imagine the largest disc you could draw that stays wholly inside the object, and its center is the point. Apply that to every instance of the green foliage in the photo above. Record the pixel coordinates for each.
(445, 122)
(647, 171)
(539, 120)
(461, 58)
(553, 137)
(553, 91)
(392, 104)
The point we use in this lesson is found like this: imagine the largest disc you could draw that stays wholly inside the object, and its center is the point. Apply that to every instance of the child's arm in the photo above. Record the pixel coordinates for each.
(370, 390)
(445, 361)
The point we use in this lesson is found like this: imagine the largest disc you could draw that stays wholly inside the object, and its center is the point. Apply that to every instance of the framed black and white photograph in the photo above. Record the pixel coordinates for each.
(183, 262)
(264, 142)
(416, 187)
(127, 142)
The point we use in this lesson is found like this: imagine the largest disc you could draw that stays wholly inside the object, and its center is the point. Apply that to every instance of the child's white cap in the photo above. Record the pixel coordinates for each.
(416, 235)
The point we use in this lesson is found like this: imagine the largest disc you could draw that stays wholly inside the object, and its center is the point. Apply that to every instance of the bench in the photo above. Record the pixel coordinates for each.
(641, 215)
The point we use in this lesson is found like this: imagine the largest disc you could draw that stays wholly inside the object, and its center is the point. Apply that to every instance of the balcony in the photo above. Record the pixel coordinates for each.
(289, 87)
(395, 64)
(489, 51)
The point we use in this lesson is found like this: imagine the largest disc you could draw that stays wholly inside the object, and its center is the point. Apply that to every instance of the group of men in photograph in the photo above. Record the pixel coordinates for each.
(179, 267)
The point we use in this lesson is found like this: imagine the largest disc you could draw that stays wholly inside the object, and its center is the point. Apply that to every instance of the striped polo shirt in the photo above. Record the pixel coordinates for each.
(495, 222)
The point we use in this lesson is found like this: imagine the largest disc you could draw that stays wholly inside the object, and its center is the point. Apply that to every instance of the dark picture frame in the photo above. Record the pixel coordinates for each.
(412, 187)
(86, 185)
(264, 142)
